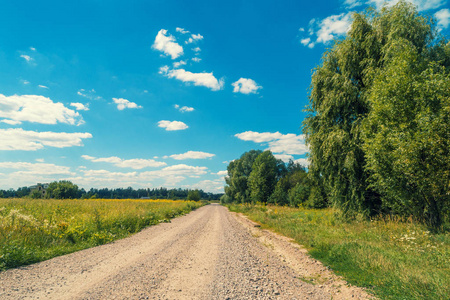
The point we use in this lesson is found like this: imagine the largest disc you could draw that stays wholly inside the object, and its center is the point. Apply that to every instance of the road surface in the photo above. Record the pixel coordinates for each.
(207, 254)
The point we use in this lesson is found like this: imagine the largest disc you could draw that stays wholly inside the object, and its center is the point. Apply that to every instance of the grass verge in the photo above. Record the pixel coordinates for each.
(36, 230)
(394, 259)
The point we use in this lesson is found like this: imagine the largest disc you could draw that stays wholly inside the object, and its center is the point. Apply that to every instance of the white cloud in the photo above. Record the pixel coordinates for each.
(136, 163)
(40, 160)
(80, 106)
(194, 38)
(32, 49)
(305, 41)
(37, 109)
(11, 122)
(43, 86)
(245, 86)
(290, 143)
(283, 157)
(196, 59)
(196, 49)
(349, 4)
(213, 186)
(178, 64)
(303, 161)
(443, 18)
(26, 57)
(25, 81)
(184, 108)
(421, 4)
(192, 155)
(199, 79)
(333, 26)
(181, 30)
(35, 168)
(172, 125)
(19, 139)
(166, 43)
(90, 94)
(124, 103)
(221, 173)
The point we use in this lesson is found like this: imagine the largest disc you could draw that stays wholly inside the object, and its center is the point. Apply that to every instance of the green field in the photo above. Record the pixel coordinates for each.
(36, 230)
(394, 259)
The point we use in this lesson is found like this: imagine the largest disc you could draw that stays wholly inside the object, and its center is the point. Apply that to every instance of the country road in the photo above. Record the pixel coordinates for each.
(207, 254)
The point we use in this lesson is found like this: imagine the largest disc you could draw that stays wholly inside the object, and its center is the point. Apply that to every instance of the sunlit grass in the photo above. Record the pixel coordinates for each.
(36, 230)
(396, 259)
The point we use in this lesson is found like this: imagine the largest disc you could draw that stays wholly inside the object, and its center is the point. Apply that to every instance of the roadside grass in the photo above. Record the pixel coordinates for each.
(393, 258)
(37, 230)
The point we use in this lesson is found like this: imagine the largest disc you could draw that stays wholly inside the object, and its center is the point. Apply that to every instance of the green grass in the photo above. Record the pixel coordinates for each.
(394, 259)
(36, 230)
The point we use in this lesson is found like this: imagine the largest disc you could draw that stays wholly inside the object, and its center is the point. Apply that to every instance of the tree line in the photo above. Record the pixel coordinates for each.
(378, 124)
(67, 190)
(258, 176)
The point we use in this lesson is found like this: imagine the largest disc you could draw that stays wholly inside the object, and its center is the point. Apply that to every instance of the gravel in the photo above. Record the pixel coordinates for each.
(207, 254)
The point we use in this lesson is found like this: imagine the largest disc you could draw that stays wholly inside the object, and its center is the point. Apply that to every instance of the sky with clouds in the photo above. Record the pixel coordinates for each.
(160, 93)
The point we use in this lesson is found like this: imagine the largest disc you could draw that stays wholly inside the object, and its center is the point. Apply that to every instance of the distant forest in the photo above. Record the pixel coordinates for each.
(121, 193)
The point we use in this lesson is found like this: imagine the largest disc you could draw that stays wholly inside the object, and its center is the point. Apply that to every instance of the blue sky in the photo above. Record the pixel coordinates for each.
(159, 93)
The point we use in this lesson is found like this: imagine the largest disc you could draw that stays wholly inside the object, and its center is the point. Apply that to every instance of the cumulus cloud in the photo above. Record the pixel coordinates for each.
(214, 186)
(124, 103)
(221, 173)
(166, 43)
(196, 59)
(422, 5)
(135, 163)
(79, 106)
(172, 125)
(184, 108)
(284, 157)
(19, 139)
(194, 38)
(333, 26)
(192, 155)
(178, 63)
(196, 49)
(26, 57)
(443, 18)
(90, 94)
(181, 30)
(198, 79)
(35, 168)
(36, 109)
(246, 86)
(290, 143)
(303, 162)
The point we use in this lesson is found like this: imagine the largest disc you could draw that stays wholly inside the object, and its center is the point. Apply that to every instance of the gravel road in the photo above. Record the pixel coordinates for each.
(207, 254)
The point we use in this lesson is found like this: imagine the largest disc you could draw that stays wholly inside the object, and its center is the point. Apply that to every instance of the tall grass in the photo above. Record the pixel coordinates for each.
(36, 230)
(394, 258)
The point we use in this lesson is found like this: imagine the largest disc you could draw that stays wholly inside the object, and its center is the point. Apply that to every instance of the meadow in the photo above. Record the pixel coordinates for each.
(394, 258)
(36, 230)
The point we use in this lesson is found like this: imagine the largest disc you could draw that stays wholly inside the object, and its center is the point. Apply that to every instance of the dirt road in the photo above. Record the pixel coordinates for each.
(208, 254)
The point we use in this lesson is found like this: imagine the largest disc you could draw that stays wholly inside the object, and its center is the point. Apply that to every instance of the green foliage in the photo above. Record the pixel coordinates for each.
(262, 179)
(194, 195)
(386, 69)
(407, 134)
(237, 180)
(63, 189)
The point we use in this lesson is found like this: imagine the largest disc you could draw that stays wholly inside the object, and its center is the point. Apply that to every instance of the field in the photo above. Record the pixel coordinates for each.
(36, 230)
(395, 259)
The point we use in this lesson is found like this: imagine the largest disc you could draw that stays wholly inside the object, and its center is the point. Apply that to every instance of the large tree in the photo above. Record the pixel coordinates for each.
(263, 178)
(407, 133)
(340, 102)
(237, 180)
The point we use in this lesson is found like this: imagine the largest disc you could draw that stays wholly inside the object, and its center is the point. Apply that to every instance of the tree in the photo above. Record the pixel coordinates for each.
(63, 189)
(340, 102)
(238, 173)
(262, 179)
(194, 195)
(407, 133)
